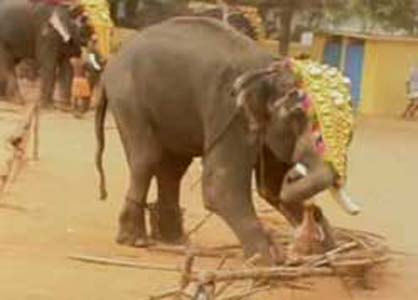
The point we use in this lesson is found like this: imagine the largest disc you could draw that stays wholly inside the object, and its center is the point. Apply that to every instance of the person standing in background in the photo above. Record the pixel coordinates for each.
(81, 90)
(412, 91)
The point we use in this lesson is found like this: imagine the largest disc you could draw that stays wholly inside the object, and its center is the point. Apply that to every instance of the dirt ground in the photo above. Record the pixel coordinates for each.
(53, 211)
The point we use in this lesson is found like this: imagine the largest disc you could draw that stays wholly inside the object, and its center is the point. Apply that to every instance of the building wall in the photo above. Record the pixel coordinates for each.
(318, 47)
(386, 70)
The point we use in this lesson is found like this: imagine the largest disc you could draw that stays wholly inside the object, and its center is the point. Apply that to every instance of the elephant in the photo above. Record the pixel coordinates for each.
(194, 87)
(47, 33)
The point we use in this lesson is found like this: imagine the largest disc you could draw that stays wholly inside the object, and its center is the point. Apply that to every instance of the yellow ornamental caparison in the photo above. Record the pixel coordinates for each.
(98, 12)
(329, 92)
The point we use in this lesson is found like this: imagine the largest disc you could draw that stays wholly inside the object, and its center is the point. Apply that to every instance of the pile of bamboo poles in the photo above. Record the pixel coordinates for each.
(357, 253)
(17, 144)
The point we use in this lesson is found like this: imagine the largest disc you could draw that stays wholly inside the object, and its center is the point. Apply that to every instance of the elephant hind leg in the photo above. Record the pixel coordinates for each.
(65, 77)
(168, 222)
(142, 152)
(13, 89)
(7, 74)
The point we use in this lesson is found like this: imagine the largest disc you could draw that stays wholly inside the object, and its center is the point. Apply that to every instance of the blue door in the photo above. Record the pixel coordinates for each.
(332, 53)
(354, 69)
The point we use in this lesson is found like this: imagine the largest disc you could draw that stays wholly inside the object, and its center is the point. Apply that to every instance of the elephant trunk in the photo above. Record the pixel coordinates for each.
(301, 185)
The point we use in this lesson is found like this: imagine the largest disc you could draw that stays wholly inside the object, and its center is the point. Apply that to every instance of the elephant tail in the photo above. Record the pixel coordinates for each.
(100, 137)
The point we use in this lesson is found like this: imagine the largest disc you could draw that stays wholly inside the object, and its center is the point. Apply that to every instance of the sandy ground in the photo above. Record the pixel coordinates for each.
(53, 211)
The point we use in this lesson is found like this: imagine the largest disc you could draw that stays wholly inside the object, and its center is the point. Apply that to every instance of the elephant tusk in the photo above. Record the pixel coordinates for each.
(301, 169)
(348, 205)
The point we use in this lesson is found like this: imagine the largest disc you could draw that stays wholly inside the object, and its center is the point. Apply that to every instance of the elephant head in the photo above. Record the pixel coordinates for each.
(272, 102)
(71, 24)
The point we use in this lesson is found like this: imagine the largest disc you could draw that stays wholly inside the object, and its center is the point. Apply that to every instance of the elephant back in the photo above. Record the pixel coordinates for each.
(17, 28)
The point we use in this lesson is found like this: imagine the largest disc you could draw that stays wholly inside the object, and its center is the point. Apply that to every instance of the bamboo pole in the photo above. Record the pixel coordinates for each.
(122, 263)
(216, 252)
(17, 142)
(36, 121)
(263, 273)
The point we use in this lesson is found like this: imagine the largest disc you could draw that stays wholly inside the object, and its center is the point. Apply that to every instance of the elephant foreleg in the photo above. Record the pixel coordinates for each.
(227, 192)
(47, 60)
(47, 74)
(65, 77)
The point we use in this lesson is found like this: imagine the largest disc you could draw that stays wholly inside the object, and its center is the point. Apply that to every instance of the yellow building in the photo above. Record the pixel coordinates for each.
(378, 67)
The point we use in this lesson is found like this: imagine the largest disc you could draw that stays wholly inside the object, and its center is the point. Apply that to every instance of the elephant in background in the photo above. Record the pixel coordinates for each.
(191, 87)
(47, 33)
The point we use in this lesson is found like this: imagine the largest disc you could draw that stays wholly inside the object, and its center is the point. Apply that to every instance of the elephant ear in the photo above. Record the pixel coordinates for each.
(247, 89)
(57, 23)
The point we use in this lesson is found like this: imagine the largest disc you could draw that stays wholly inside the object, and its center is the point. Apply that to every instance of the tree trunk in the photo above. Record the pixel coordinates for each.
(130, 7)
(225, 10)
(286, 17)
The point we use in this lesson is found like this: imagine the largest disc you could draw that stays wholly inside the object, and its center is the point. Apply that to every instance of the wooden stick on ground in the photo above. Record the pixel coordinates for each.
(227, 284)
(222, 262)
(327, 257)
(199, 224)
(166, 294)
(184, 280)
(36, 120)
(245, 294)
(186, 272)
(264, 273)
(201, 252)
(18, 143)
(122, 263)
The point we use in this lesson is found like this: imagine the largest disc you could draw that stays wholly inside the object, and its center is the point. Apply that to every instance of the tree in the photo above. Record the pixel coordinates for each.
(387, 15)
(157, 10)
(391, 14)
(287, 9)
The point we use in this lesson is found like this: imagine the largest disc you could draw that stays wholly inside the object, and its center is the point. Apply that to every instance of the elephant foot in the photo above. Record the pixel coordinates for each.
(167, 224)
(132, 240)
(261, 249)
(132, 230)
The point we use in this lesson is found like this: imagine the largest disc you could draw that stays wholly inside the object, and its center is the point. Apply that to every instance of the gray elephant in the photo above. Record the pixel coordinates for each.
(191, 87)
(50, 34)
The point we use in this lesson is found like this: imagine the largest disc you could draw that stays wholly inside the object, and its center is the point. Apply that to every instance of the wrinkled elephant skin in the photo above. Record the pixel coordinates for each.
(45, 33)
(192, 87)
